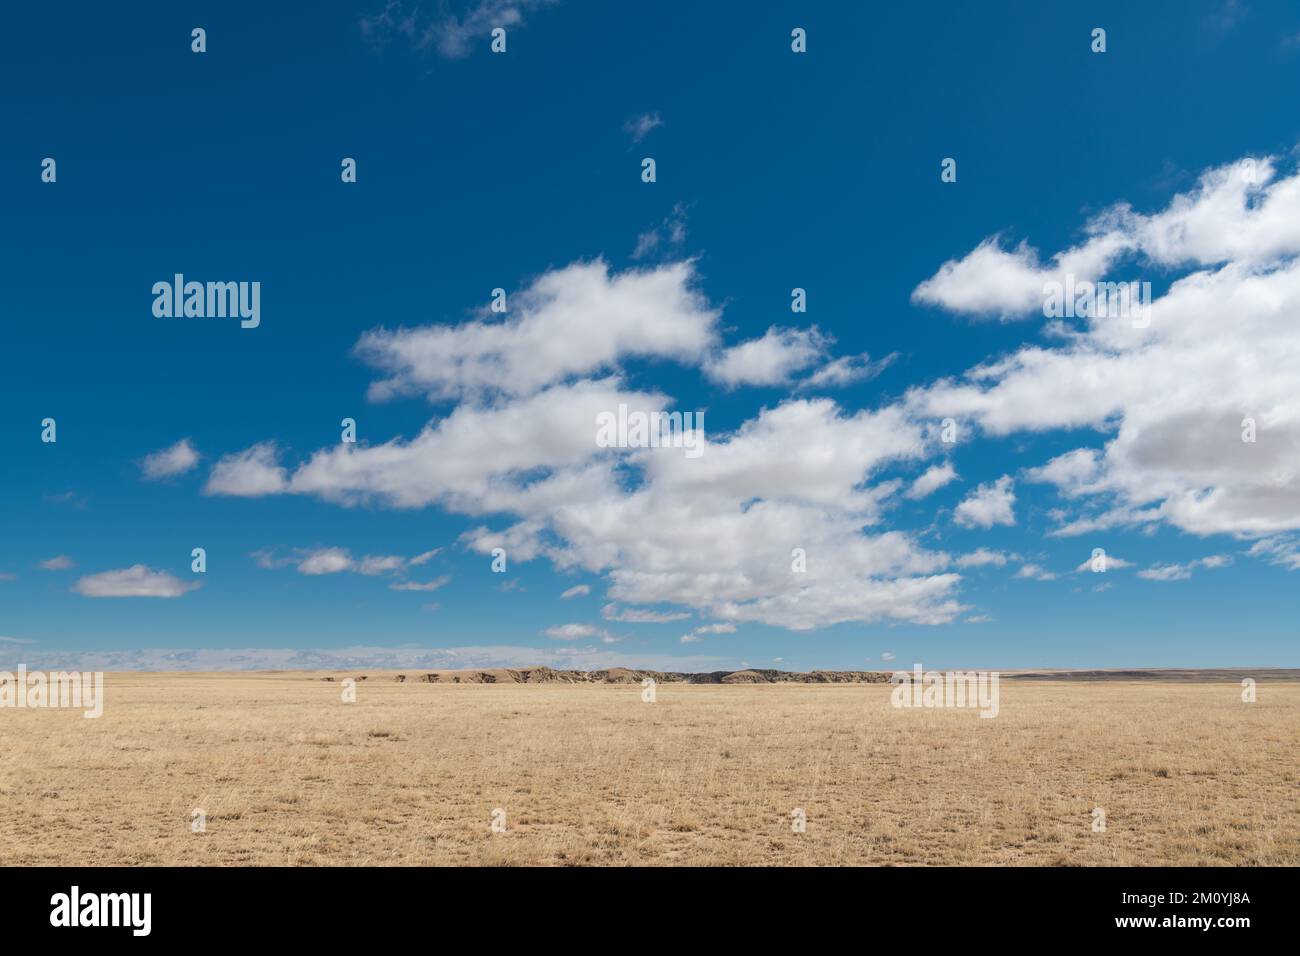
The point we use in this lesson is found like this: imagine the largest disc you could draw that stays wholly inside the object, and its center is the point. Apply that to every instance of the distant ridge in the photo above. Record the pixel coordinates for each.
(624, 675)
(1171, 674)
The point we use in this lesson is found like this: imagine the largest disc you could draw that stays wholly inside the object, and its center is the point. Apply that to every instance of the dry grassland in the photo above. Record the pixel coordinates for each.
(589, 774)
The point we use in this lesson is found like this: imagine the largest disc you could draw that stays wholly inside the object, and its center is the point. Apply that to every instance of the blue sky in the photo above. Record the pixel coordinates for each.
(774, 170)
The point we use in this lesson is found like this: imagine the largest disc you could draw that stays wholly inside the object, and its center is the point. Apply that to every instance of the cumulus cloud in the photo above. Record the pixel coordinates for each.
(712, 534)
(770, 360)
(931, 480)
(1008, 284)
(482, 459)
(990, 504)
(249, 473)
(169, 462)
(135, 581)
(575, 321)
(1166, 402)
(803, 474)
(1172, 399)
(58, 563)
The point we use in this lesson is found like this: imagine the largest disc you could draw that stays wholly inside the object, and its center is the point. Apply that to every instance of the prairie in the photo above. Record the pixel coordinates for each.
(285, 772)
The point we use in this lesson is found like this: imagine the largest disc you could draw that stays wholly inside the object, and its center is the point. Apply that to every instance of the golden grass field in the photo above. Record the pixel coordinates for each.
(410, 774)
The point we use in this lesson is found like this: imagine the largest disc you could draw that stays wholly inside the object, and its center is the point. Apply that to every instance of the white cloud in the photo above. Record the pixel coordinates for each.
(520, 447)
(325, 561)
(981, 557)
(573, 632)
(847, 370)
(519, 450)
(1181, 572)
(724, 524)
(578, 590)
(992, 281)
(380, 564)
(59, 563)
(990, 504)
(336, 560)
(420, 585)
(1075, 473)
(249, 473)
(612, 612)
(578, 320)
(482, 459)
(931, 480)
(1035, 573)
(176, 460)
(670, 233)
(640, 126)
(771, 360)
(135, 581)
(1168, 399)
(1166, 572)
(1112, 563)
(452, 35)
(1281, 550)
(699, 632)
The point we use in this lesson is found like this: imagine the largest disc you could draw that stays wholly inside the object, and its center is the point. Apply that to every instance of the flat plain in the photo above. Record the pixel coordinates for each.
(286, 773)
